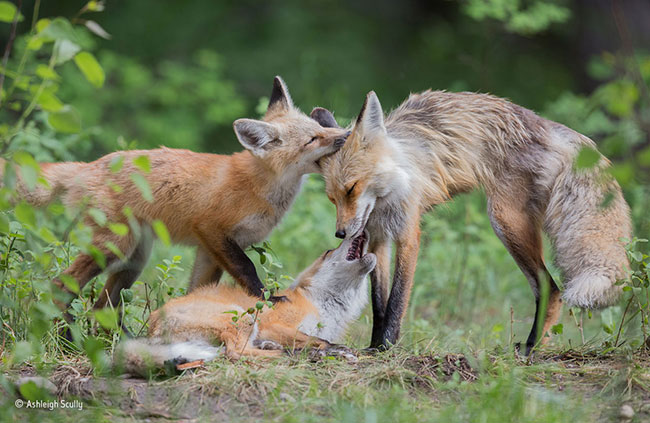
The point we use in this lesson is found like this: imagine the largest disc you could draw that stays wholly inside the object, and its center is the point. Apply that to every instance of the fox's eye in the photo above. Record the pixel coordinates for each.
(351, 189)
(311, 140)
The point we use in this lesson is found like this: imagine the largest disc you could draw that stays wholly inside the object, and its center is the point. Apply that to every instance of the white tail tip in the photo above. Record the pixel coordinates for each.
(591, 291)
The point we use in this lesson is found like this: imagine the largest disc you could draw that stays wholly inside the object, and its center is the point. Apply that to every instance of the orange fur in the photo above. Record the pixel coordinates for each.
(204, 314)
(222, 204)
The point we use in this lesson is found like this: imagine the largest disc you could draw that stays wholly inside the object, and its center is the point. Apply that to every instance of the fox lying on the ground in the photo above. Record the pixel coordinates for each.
(222, 204)
(438, 144)
(323, 300)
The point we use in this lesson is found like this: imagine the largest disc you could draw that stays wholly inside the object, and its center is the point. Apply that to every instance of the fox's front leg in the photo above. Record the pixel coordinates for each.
(408, 246)
(379, 279)
(230, 257)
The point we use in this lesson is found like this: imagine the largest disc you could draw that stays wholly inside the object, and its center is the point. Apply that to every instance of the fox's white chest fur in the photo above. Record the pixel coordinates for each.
(337, 307)
(256, 227)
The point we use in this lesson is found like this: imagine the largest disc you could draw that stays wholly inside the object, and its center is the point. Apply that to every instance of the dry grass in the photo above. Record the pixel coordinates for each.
(391, 386)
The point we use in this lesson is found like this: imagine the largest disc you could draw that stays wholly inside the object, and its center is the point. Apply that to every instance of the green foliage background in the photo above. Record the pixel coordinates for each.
(178, 73)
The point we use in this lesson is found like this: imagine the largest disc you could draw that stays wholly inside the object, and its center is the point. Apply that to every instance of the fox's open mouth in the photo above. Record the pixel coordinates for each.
(358, 247)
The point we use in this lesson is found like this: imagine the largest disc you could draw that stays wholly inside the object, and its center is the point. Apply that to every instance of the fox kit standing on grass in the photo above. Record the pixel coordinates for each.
(439, 144)
(222, 204)
(324, 299)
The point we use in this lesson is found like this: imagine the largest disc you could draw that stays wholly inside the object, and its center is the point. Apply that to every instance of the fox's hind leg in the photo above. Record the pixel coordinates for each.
(125, 275)
(520, 231)
(85, 267)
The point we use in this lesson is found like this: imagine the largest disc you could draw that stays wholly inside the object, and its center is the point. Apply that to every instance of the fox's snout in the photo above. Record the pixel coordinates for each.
(340, 233)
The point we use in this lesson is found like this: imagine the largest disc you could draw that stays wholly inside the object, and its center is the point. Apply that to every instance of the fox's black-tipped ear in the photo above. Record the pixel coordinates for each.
(280, 98)
(324, 117)
(255, 135)
(371, 116)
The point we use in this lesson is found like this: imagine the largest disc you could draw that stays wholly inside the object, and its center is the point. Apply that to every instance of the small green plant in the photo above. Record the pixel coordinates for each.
(637, 286)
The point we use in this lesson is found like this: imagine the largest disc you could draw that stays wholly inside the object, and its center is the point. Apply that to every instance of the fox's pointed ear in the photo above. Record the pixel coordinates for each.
(371, 116)
(324, 117)
(255, 135)
(280, 99)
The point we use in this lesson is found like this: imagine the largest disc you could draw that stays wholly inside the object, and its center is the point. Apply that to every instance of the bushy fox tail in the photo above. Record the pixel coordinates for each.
(142, 355)
(58, 176)
(586, 219)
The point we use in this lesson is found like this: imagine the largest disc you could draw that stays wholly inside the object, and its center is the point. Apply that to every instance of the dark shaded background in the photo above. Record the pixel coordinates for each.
(330, 53)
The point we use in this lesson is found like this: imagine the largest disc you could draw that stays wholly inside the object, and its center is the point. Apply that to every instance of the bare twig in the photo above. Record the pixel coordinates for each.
(620, 327)
(512, 321)
(10, 43)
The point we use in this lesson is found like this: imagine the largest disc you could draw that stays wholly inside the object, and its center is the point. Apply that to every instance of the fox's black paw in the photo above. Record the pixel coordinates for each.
(278, 299)
(529, 350)
(266, 344)
(169, 366)
(372, 350)
(339, 351)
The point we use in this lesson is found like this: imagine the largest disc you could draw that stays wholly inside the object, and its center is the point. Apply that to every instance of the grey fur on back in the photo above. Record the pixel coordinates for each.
(463, 140)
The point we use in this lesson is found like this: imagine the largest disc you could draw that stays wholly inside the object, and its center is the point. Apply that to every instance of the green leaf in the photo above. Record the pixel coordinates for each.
(98, 256)
(57, 29)
(119, 229)
(29, 168)
(94, 6)
(35, 42)
(587, 158)
(49, 102)
(46, 72)
(25, 214)
(65, 50)
(98, 216)
(636, 256)
(116, 164)
(557, 329)
(70, 283)
(66, 120)
(141, 182)
(91, 69)
(115, 250)
(23, 350)
(142, 163)
(8, 12)
(94, 347)
(32, 392)
(41, 24)
(259, 305)
(46, 235)
(127, 295)
(161, 232)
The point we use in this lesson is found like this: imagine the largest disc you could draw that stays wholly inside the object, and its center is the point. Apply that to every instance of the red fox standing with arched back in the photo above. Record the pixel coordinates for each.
(438, 144)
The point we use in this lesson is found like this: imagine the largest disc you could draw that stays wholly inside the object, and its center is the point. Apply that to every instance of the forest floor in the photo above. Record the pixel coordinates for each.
(393, 386)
